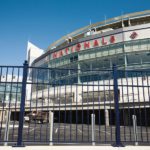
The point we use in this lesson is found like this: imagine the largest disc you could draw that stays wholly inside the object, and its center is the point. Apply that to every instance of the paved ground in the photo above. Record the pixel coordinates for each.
(71, 133)
(75, 148)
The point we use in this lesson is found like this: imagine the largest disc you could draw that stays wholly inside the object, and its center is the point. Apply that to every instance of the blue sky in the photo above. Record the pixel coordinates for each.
(44, 21)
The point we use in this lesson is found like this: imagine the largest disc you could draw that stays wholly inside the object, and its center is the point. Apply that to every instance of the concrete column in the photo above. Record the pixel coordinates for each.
(51, 123)
(129, 22)
(126, 64)
(125, 61)
(6, 133)
(111, 63)
(93, 128)
(106, 117)
(77, 94)
(79, 71)
(3, 116)
(0, 116)
(7, 98)
(122, 22)
(69, 72)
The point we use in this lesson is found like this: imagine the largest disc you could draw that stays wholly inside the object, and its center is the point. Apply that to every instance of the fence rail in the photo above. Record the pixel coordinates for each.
(66, 106)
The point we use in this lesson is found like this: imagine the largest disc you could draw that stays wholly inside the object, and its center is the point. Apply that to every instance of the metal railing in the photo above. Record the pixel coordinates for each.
(35, 108)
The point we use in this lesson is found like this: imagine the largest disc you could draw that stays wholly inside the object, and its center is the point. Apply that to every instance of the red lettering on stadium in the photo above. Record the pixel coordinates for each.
(66, 51)
(78, 47)
(112, 39)
(72, 49)
(60, 53)
(95, 43)
(84, 45)
(103, 41)
(55, 55)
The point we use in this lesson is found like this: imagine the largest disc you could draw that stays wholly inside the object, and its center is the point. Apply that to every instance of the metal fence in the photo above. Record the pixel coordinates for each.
(69, 106)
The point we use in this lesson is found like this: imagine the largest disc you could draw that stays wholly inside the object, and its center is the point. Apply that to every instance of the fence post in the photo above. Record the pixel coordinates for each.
(22, 104)
(116, 105)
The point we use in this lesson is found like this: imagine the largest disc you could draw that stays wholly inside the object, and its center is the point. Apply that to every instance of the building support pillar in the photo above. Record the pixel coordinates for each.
(106, 117)
(129, 22)
(125, 61)
(125, 64)
(0, 115)
(79, 71)
(51, 124)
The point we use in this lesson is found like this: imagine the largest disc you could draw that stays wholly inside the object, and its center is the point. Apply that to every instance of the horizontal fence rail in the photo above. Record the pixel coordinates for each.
(71, 106)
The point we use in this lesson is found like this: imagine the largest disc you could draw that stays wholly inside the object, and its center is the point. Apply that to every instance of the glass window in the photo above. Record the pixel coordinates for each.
(120, 61)
(74, 58)
(106, 63)
(145, 57)
(114, 60)
(85, 66)
(133, 58)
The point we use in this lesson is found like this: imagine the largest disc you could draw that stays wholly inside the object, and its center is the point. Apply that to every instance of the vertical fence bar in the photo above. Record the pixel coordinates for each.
(116, 105)
(22, 104)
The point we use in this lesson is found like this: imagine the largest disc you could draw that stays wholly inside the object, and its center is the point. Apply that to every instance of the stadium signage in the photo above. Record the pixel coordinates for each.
(84, 45)
(133, 35)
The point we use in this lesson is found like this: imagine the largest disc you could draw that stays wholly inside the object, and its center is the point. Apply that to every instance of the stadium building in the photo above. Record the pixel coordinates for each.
(122, 40)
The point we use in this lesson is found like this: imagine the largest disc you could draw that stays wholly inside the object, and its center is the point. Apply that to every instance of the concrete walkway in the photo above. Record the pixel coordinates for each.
(75, 148)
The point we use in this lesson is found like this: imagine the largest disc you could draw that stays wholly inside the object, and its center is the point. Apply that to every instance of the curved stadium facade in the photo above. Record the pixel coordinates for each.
(123, 40)
(84, 59)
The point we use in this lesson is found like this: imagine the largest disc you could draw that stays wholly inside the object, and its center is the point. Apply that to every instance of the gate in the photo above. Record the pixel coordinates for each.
(54, 106)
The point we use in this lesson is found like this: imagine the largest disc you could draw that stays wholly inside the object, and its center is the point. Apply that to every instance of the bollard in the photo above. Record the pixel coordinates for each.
(93, 128)
(51, 122)
(6, 134)
(135, 131)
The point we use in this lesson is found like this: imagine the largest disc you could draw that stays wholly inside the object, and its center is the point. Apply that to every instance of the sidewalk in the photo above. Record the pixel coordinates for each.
(75, 148)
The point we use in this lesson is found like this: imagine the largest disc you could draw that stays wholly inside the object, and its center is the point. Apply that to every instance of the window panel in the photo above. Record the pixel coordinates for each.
(133, 58)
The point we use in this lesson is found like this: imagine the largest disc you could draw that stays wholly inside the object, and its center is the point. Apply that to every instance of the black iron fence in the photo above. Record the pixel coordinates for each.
(70, 106)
